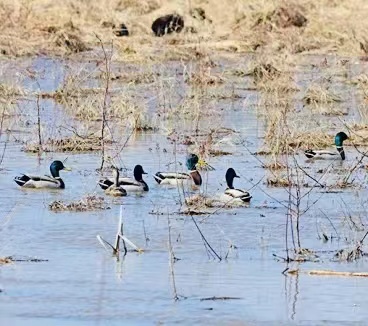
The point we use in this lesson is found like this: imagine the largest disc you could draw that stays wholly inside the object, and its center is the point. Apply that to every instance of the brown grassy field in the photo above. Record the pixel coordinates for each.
(307, 26)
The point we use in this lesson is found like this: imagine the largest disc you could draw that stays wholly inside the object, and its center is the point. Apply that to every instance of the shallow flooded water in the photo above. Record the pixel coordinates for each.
(82, 284)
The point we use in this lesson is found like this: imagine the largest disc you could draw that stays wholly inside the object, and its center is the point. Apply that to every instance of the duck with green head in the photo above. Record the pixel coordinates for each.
(339, 140)
(54, 181)
(174, 178)
(233, 194)
(136, 184)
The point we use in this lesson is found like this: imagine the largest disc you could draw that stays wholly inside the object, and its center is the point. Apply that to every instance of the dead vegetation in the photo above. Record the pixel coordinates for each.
(206, 78)
(197, 203)
(8, 91)
(299, 26)
(274, 166)
(264, 71)
(278, 182)
(6, 260)
(316, 94)
(71, 42)
(68, 144)
(89, 203)
(327, 273)
(281, 139)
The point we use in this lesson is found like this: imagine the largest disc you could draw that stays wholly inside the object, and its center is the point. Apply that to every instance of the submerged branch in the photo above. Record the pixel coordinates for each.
(205, 240)
(327, 273)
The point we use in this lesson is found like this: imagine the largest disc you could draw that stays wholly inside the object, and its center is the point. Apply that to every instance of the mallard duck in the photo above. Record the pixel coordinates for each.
(129, 184)
(235, 194)
(31, 181)
(174, 178)
(168, 24)
(339, 139)
(115, 189)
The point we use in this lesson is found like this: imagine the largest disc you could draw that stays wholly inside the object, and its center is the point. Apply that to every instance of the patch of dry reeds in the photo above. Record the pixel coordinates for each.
(67, 144)
(89, 203)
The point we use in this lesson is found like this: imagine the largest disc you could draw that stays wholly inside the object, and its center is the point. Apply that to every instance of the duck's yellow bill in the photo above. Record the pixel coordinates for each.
(67, 169)
(203, 165)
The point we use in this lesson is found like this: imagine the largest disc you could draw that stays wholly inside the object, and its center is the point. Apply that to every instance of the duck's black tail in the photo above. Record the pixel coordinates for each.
(104, 184)
(21, 181)
(246, 198)
(158, 177)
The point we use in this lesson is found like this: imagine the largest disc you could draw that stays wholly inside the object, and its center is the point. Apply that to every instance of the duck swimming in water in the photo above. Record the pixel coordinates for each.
(136, 184)
(114, 189)
(339, 139)
(235, 194)
(174, 178)
(53, 182)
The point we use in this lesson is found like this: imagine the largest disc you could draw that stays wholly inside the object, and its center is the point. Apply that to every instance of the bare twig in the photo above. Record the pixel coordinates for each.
(207, 245)
(327, 273)
(220, 298)
(172, 261)
(325, 215)
(39, 124)
(119, 236)
(107, 61)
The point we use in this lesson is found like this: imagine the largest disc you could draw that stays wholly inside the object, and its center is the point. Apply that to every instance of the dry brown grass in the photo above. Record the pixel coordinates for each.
(41, 26)
(281, 141)
(274, 166)
(293, 121)
(316, 95)
(6, 260)
(89, 203)
(199, 202)
(9, 91)
(84, 103)
(278, 182)
(67, 144)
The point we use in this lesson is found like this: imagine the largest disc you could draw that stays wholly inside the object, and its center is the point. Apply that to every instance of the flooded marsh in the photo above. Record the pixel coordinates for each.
(201, 258)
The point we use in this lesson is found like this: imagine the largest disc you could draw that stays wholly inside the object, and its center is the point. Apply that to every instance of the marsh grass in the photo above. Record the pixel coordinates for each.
(273, 166)
(278, 181)
(293, 122)
(82, 100)
(316, 94)
(204, 78)
(208, 204)
(233, 27)
(199, 202)
(11, 91)
(6, 260)
(278, 142)
(88, 203)
(67, 144)
(135, 78)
